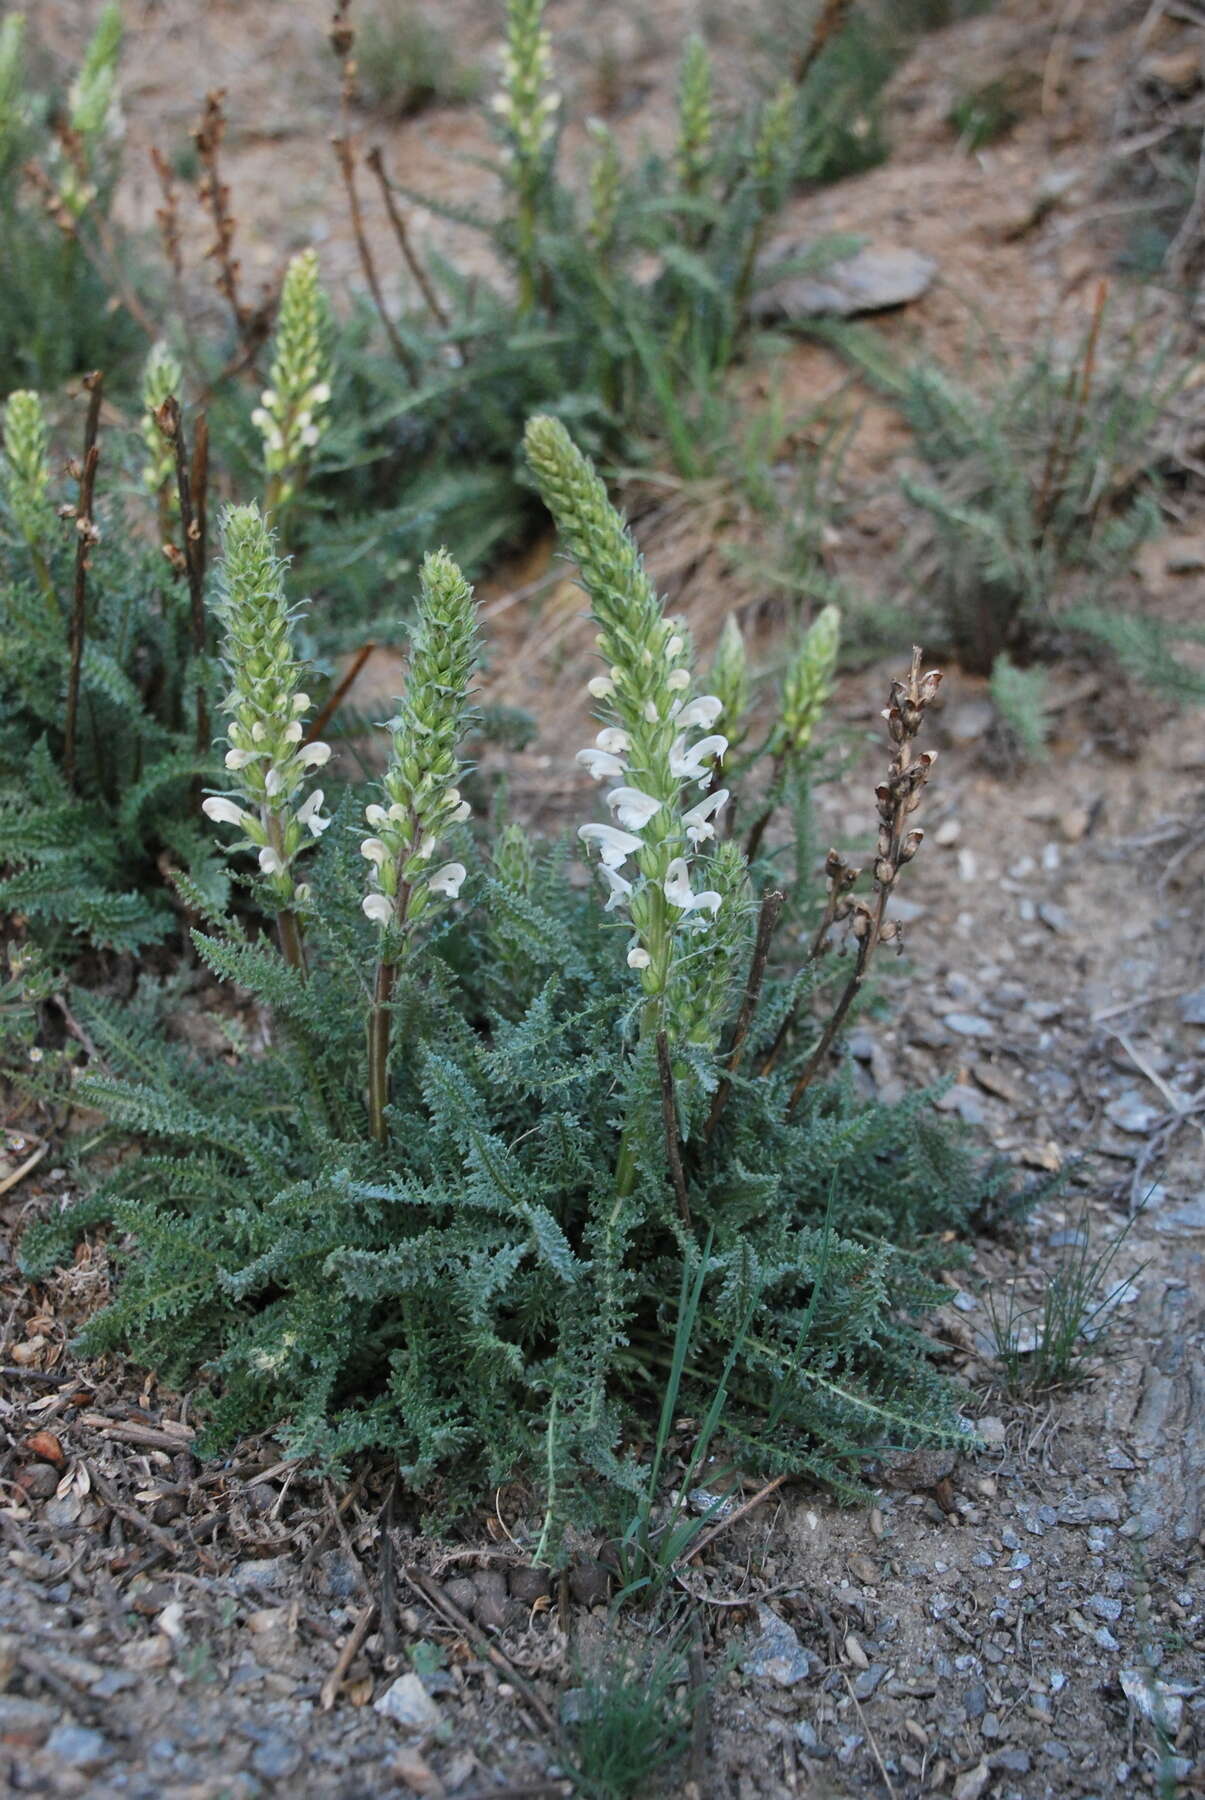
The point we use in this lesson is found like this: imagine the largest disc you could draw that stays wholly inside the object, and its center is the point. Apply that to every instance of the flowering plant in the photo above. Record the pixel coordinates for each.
(500, 1115)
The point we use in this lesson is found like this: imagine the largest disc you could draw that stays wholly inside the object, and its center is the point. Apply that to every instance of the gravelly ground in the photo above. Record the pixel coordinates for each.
(1004, 1625)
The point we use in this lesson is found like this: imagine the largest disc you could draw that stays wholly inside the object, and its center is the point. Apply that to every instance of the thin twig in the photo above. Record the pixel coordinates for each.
(669, 1115)
(376, 163)
(346, 159)
(130, 1515)
(86, 537)
(215, 195)
(170, 423)
(726, 1523)
(829, 21)
(390, 1642)
(23, 1169)
(439, 1602)
(870, 1736)
(42, 1377)
(348, 1654)
(336, 699)
(767, 920)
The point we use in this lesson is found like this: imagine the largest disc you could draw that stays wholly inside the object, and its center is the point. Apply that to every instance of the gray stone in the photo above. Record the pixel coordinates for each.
(277, 1757)
(1105, 1608)
(1192, 1008)
(1182, 1221)
(869, 281)
(1131, 1113)
(267, 1572)
(1157, 1701)
(869, 1680)
(969, 1025)
(1092, 1509)
(805, 1731)
(776, 1653)
(1013, 1762)
(20, 1718)
(1055, 918)
(78, 1746)
(407, 1703)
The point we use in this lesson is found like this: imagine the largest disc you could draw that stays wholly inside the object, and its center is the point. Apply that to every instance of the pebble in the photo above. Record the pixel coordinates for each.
(968, 1024)
(776, 1653)
(407, 1703)
(277, 1757)
(805, 1731)
(1092, 1509)
(1105, 1608)
(1192, 1008)
(1153, 1699)
(1014, 1762)
(971, 1783)
(1180, 1221)
(25, 1719)
(78, 1746)
(991, 1429)
(869, 1680)
(267, 1572)
(871, 280)
(1131, 1113)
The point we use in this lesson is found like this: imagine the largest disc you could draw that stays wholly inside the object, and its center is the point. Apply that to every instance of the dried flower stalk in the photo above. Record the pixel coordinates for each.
(898, 798)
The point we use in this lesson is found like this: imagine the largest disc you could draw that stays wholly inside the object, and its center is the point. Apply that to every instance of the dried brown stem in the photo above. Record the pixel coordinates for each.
(758, 829)
(346, 158)
(439, 1603)
(340, 693)
(829, 21)
(841, 877)
(767, 920)
(1070, 425)
(111, 268)
(348, 1654)
(170, 423)
(376, 163)
(86, 537)
(249, 323)
(669, 1116)
(898, 798)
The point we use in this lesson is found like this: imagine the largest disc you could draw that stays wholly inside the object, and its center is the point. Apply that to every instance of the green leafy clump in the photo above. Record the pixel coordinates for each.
(1036, 487)
(470, 1258)
(59, 163)
(82, 847)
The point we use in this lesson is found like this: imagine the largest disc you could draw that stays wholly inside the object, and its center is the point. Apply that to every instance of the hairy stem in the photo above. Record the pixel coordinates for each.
(86, 537)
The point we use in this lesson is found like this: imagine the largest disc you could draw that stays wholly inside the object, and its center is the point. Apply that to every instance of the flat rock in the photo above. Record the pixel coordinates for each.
(1180, 1221)
(1131, 1113)
(24, 1720)
(266, 1572)
(969, 1024)
(78, 1746)
(407, 1703)
(1192, 1008)
(869, 281)
(776, 1653)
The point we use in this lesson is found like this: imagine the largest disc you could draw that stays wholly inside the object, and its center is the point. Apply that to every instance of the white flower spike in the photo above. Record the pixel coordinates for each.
(448, 879)
(699, 821)
(703, 711)
(614, 846)
(632, 809)
(692, 764)
(619, 888)
(600, 765)
(678, 890)
(225, 812)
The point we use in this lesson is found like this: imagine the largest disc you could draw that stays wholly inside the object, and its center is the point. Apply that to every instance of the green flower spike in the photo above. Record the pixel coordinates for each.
(12, 103)
(420, 801)
(93, 109)
(27, 469)
(807, 684)
(659, 820)
(161, 376)
(268, 758)
(290, 413)
(729, 680)
(692, 158)
(526, 108)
